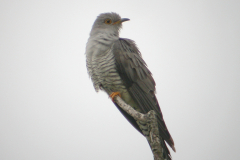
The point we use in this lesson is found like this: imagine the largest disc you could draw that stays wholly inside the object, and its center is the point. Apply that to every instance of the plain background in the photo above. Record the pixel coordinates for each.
(50, 111)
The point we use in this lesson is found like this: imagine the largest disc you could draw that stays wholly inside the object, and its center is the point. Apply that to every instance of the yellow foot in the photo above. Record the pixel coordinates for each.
(115, 94)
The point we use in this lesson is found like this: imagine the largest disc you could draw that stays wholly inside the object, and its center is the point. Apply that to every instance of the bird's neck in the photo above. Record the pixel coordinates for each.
(98, 43)
(105, 37)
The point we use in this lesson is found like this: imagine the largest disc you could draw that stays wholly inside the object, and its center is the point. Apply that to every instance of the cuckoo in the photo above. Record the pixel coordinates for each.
(116, 67)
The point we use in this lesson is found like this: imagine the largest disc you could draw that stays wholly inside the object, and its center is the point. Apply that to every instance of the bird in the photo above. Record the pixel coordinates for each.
(115, 66)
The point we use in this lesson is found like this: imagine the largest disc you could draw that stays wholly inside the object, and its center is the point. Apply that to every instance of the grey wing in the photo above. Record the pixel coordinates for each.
(139, 81)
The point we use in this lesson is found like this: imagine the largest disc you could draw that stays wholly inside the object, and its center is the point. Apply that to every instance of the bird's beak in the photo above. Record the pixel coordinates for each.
(122, 20)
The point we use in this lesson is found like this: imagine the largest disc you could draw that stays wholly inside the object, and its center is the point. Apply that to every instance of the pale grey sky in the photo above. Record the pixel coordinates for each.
(50, 111)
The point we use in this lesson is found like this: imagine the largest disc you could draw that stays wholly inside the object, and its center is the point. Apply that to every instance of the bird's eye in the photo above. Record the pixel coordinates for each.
(108, 21)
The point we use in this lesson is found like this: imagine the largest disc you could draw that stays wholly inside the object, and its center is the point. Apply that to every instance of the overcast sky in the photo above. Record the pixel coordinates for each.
(49, 109)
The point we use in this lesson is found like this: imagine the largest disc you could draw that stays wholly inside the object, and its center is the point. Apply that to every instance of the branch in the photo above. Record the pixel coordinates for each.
(151, 120)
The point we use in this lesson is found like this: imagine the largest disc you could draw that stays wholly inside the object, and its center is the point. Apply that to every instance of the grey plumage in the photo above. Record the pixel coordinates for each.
(115, 65)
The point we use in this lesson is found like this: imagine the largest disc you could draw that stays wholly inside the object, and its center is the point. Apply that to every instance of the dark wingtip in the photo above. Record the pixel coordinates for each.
(171, 144)
(173, 148)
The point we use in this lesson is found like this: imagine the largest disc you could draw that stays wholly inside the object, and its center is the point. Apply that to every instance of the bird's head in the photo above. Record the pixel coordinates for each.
(109, 23)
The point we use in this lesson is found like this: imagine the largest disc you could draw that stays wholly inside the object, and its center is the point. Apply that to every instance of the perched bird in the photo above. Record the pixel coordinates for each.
(115, 66)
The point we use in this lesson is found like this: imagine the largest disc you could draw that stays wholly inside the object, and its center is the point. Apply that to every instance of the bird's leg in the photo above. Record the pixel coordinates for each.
(113, 94)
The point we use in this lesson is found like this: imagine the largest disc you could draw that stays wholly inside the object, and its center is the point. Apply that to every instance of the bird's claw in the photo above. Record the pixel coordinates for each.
(115, 94)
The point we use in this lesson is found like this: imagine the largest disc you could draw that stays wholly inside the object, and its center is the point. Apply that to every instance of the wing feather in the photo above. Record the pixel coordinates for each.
(139, 81)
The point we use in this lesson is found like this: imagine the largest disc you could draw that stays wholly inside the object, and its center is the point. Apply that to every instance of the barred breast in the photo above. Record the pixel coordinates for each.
(105, 74)
(101, 66)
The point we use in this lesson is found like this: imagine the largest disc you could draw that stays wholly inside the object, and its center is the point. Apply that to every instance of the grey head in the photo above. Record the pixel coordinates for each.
(109, 23)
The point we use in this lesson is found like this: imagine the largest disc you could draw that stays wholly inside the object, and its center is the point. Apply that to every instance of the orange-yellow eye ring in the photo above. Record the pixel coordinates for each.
(108, 21)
